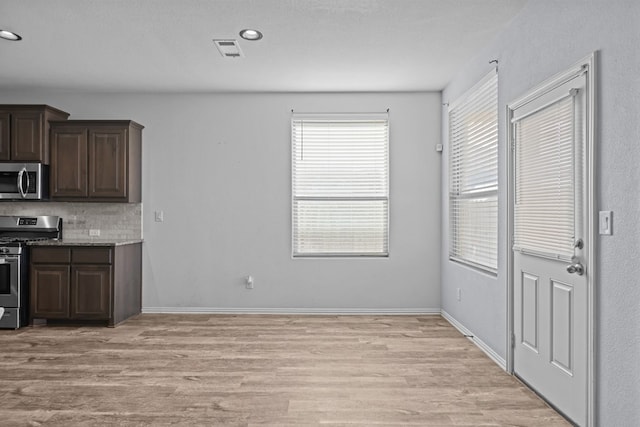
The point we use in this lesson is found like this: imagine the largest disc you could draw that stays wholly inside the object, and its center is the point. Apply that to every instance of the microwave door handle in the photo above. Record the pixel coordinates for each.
(20, 182)
(28, 182)
(20, 187)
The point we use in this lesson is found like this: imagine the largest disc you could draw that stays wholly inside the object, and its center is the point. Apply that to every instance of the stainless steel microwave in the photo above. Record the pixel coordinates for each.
(24, 181)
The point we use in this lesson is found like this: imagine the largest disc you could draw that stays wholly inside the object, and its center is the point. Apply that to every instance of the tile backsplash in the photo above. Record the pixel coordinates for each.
(118, 221)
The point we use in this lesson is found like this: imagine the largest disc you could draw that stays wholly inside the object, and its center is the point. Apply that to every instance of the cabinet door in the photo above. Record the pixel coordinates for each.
(49, 291)
(26, 136)
(90, 292)
(108, 163)
(69, 162)
(5, 143)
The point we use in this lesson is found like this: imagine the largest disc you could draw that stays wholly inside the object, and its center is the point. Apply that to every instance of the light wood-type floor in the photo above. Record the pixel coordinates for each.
(255, 370)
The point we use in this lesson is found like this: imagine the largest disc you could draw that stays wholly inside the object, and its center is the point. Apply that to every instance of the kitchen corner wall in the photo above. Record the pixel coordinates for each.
(116, 221)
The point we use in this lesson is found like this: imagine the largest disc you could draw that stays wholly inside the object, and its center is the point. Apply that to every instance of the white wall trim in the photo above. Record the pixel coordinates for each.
(477, 341)
(301, 311)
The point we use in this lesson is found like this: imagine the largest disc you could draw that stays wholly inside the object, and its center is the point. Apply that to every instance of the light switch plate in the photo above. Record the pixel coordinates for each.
(605, 223)
(159, 216)
(94, 232)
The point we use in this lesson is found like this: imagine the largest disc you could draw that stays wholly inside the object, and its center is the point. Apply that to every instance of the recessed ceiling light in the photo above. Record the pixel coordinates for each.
(8, 35)
(249, 34)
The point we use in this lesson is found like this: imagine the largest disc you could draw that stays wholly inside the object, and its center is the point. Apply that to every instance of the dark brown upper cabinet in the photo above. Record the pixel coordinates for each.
(96, 160)
(24, 132)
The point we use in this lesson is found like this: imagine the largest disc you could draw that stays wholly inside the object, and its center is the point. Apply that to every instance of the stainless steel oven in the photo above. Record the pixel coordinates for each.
(12, 295)
(15, 234)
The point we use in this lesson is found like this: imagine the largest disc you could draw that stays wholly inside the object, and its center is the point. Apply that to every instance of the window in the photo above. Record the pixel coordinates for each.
(340, 181)
(473, 176)
(548, 158)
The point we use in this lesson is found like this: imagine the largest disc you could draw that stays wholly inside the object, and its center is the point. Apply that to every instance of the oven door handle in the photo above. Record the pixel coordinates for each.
(23, 193)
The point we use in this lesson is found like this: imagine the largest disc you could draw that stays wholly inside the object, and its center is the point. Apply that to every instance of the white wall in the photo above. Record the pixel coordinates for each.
(219, 168)
(545, 38)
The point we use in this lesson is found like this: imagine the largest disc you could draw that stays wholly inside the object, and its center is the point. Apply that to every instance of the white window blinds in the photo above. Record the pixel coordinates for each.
(545, 196)
(473, 176)
(340, 180)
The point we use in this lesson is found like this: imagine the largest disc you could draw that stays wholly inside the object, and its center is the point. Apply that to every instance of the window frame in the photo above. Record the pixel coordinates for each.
(341, 117)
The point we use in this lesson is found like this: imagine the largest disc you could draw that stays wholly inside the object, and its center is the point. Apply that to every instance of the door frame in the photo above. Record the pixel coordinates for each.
(589, 64)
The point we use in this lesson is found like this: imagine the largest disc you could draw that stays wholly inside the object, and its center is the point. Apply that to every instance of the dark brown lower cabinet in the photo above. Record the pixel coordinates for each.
(90, 292)
(76, 283)
(50, 291)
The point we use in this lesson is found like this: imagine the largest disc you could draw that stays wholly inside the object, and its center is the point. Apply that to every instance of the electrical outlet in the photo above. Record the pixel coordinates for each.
(459, 294)
(94, 232)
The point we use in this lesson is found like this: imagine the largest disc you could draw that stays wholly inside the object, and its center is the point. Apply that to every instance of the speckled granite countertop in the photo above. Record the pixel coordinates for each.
(92, 242)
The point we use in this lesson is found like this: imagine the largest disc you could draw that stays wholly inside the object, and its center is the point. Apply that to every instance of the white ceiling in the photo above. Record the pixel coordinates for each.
(308, 45)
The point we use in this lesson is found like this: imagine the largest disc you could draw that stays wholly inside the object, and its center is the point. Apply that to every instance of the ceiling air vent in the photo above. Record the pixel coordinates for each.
(228, 48)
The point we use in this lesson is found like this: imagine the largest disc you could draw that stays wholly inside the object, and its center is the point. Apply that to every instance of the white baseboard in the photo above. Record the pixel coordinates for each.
(318, 311)
(477, 341)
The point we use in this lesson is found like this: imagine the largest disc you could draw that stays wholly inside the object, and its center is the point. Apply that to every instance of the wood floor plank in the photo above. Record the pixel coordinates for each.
(259, 370)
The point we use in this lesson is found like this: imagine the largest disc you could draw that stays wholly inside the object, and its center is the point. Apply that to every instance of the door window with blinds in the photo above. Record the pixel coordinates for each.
(473, 176)
(547, 164)
(340, 183)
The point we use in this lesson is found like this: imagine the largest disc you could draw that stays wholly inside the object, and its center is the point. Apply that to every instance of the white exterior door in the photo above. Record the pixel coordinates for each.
(550, 243)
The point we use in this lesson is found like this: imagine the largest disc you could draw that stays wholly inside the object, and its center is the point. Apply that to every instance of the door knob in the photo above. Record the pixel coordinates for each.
(576, 268)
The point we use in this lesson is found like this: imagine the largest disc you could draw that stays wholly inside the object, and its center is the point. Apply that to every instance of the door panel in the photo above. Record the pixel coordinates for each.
(5, 143)
(548, 312)
(107, 156)
(530, 323)
(561, 325)
(69, 162)
(91, 291)
(26, 136)
(49, 291)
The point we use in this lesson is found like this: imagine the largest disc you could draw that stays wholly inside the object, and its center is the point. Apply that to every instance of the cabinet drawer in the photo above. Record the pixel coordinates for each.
(91, 255)
(50, 255)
